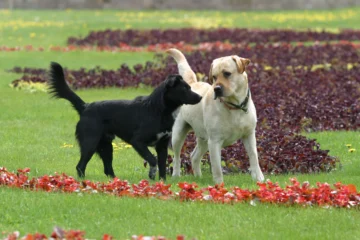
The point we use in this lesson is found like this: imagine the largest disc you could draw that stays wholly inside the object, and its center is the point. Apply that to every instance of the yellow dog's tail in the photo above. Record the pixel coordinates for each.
(184, 68)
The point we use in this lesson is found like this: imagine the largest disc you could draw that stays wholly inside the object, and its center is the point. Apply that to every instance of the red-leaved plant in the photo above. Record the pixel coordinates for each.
(61, 234)
(341, 195)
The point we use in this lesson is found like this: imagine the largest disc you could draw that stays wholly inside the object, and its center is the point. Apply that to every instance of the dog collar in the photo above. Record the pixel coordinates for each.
(241, 106)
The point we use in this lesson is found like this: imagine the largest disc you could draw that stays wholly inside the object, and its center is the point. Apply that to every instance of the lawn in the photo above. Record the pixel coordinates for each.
(34, 129)
(45, 28)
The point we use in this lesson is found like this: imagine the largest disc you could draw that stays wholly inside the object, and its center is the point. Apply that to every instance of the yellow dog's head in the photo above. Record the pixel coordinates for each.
(227, 75)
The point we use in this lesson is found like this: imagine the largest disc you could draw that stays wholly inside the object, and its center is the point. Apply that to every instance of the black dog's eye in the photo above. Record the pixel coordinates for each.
(227, 74)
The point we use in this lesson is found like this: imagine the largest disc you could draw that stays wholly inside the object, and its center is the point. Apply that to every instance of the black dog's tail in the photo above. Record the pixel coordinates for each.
(59, 88)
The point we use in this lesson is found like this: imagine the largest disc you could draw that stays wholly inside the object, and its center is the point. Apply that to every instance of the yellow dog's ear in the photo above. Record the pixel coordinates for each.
(241, 63)
(210, 74)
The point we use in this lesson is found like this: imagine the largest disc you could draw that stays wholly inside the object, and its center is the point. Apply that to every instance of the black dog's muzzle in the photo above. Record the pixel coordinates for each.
(218, 91)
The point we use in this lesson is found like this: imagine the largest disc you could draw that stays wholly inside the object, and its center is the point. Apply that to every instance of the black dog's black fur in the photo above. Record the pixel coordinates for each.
(142, 122)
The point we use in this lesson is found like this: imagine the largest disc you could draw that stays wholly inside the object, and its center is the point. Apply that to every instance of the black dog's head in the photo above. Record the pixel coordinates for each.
(179, 92)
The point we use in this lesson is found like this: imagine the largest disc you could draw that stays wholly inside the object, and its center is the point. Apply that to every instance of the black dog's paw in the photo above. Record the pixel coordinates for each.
(152, 172)
(110, 175)
(80, 172)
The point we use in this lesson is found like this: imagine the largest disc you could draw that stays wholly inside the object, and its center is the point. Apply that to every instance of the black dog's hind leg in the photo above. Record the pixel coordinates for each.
(144, 152)
(162, 154)
(105, 151)
(87, 148)
(88, 135)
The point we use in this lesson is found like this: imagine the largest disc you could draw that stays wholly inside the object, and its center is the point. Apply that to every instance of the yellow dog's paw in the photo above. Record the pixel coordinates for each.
(257, 174)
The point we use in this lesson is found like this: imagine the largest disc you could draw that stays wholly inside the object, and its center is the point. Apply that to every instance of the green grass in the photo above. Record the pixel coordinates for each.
(73, 60)
(34, 127)
(123, 217)
(45, 28)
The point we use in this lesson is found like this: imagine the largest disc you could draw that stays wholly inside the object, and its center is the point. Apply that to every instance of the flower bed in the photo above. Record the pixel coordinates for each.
(195, 36)
(61, 234)
(204, 46)
(295, 193)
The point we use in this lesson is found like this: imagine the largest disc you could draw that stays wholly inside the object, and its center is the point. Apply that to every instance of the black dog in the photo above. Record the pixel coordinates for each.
(142, 122)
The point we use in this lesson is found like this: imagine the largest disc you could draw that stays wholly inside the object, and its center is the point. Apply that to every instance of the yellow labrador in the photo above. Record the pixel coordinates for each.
(226, 114)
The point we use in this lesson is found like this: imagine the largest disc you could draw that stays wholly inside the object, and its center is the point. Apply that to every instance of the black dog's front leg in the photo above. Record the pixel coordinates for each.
(144, 152)
(162, 153)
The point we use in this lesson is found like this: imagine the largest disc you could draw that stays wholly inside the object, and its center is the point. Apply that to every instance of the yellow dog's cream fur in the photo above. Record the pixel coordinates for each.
(214, 124)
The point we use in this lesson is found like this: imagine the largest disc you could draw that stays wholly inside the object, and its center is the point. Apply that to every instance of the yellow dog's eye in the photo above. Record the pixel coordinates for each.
(227, 74)
(214, 77)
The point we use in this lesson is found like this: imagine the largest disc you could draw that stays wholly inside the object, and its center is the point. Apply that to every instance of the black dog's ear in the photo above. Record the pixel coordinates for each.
(173, 80)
